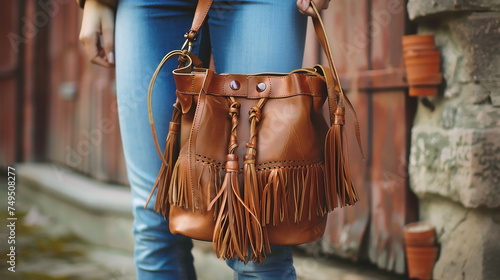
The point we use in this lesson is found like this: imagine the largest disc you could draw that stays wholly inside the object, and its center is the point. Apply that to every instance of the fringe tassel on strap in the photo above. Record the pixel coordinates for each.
(162, 203)
(340, 188)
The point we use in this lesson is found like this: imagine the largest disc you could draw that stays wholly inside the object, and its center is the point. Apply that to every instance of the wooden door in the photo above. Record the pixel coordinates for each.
(366, 41)
(55, 105)
(23, 84)
(9, 129)
(83, 122)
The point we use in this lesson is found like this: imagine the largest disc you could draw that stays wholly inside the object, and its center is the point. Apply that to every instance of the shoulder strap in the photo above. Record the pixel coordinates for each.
(319, 27)
(202, 12)
(334, 86)
(200, 15)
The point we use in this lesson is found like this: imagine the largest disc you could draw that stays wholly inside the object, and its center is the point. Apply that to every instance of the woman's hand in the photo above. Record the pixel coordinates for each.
(97, 34)
(305, 9)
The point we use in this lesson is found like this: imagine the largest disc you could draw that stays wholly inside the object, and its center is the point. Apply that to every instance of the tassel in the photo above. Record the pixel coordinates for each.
(229, 238)
(229, 233)
(170, 155)
(252, 191)
(251, 202)
(340, 188)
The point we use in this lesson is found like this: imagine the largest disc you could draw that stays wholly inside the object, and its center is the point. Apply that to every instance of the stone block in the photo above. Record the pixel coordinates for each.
(455, 147)
(468, 239)
(460, 164)
(424, 8)
(470, 59)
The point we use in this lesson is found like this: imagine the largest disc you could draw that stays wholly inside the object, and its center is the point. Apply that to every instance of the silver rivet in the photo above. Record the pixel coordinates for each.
(261, 87)
(234, 85)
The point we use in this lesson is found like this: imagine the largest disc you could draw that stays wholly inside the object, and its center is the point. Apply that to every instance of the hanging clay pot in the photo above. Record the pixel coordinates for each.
(421, 69)
(416, 91)
(418, 42)
(421, 261)
(419, 234)
(422, 53)
(425, 79)
(415, 39)
(423, 65)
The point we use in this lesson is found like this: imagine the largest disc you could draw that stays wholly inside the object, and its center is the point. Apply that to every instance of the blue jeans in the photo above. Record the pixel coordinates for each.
(246, 36)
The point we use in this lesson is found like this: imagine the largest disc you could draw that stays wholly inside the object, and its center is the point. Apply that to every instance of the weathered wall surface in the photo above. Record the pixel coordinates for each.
(455, 151)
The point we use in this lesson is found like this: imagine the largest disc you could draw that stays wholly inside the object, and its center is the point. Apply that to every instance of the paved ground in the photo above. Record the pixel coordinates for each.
(47, 250)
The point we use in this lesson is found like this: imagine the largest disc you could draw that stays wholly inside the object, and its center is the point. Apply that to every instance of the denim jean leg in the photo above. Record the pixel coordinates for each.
(277, 266)
(247, 37)
(145, 31)
(255, 36)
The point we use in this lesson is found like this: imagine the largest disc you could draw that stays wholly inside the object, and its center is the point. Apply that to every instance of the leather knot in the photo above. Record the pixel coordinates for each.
(232, 164)
(339, 116)
(249, 158)
(174, 127)
(234, 109)
(251, 146)
(254, 112)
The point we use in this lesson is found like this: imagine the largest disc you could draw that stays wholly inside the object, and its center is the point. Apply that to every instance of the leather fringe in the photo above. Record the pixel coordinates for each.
(340, 190)
(229, 238)
(291, 186)
(255, 231)
(170, 155)
(178, 192)
(214, 171)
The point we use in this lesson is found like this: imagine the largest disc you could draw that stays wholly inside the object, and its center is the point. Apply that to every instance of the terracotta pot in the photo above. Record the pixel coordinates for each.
(409, 41)
(419, 48)
(425, 79)
(417, 69)
(416, 91)
(424, 74)
(421, 261)
(418, 43)
(423, 64)
(422, 60)
(420, 234)
(422, 53)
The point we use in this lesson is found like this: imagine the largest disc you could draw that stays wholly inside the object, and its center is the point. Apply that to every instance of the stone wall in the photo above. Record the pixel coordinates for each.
(455, 151)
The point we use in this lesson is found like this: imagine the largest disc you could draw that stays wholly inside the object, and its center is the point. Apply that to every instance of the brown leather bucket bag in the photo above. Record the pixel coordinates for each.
(251, 160)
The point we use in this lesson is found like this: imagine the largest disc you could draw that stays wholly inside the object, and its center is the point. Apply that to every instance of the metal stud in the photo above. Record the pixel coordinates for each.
(234, 85)
(261, 87)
